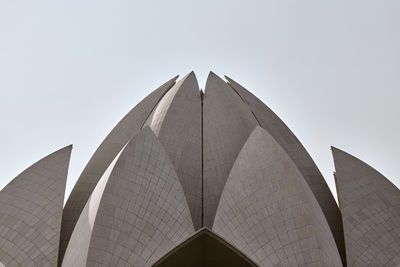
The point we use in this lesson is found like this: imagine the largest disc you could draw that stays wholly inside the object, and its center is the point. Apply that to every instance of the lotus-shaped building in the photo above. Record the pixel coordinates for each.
(188, 178)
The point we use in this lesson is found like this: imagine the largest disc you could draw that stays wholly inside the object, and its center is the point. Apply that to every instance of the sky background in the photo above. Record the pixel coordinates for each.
(70, 70)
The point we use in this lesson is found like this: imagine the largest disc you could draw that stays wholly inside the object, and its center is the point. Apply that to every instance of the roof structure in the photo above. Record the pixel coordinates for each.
(193, 178)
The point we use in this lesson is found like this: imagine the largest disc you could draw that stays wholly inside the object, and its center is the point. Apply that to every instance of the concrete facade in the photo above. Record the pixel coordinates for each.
(370, 206)
(30, 212)
(268, 211)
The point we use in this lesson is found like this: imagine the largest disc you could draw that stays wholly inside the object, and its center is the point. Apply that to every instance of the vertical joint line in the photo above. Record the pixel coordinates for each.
(202, 161)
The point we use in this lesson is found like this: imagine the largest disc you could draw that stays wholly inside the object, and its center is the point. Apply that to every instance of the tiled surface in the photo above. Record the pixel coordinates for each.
(127, 128)
(227, 123)
(282, 134)
(177, 122)
(30, 212)
(143, 212)
(370, 206)
(268, 211)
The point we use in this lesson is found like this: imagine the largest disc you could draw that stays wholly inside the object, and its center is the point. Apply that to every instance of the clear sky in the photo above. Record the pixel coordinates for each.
(70, 70)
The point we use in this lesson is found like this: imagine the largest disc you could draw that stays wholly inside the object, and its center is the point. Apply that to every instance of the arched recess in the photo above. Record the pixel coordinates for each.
(204, 248)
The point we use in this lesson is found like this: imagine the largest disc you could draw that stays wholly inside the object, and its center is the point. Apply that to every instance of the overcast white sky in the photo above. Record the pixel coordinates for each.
(70, 70)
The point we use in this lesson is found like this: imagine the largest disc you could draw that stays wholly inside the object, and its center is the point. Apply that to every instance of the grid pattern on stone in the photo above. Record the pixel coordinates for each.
(268, 211)
(176, 121)
(370, 207)
(143, 212)
(227, 123)
(30, 212)
(124, 131)
(288, 141)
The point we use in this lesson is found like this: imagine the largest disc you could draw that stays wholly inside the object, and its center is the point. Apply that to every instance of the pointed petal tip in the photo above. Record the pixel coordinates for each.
(212, 75)
(334, 150)
(191, 78)
(66, 148)
(337, 150)
(191, 74)
(229, 80)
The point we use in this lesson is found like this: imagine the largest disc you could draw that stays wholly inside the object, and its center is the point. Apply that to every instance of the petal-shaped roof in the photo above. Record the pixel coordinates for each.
(370, 206)
(30, 212)
(288, 141)
(124, 131)
(176, 121)
(143, 212)
(227, 123)
(268, 211)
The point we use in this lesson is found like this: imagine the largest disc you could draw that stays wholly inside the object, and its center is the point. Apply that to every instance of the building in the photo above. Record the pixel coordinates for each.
(188, 178)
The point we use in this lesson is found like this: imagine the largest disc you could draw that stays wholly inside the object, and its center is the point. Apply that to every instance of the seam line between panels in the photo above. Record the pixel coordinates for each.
(202, 161)
(247, 104)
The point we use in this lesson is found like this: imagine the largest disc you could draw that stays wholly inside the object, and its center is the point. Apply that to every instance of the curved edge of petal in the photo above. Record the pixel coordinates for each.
(227, 123)
(177, 122)
(142, 199)
(267, 208)
(306, 165)
(124, 131)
